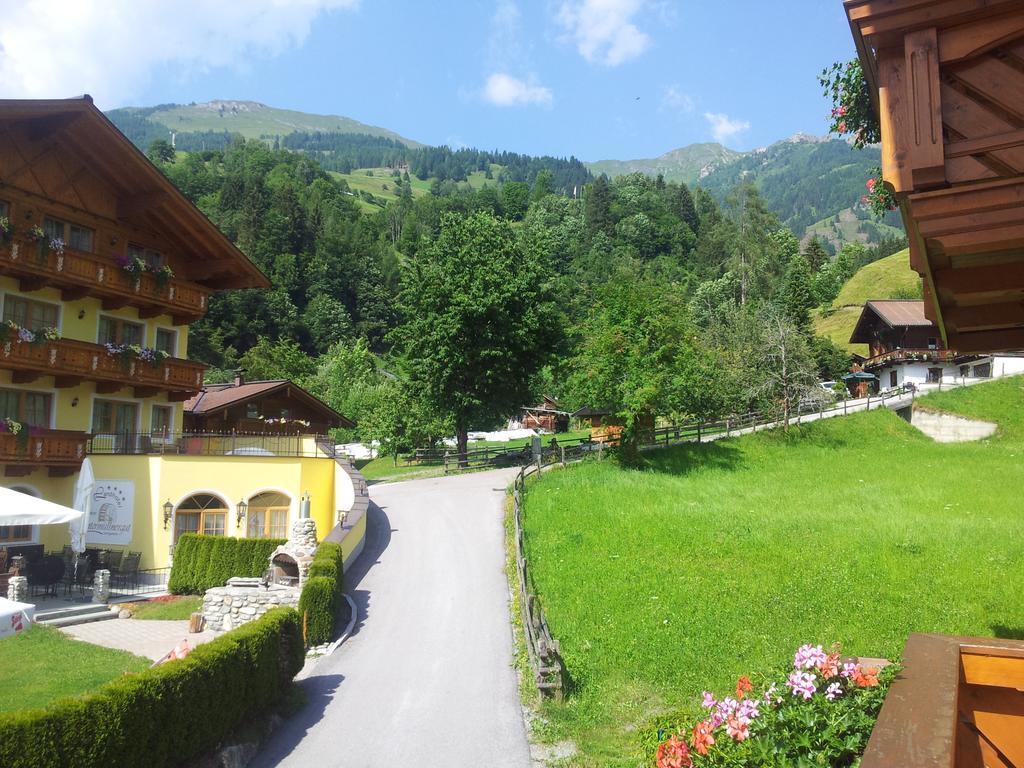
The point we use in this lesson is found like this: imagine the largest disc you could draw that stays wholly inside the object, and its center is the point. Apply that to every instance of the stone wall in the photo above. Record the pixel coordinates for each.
(947, 428)
(242, 601)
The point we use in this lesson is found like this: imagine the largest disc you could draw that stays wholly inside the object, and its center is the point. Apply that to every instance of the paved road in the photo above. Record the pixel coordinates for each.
(426, 679)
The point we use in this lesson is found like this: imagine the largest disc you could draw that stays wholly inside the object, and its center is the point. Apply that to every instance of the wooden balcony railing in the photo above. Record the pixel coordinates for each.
(84, 274)
(901, 355)
(60, 450)
(70, 362)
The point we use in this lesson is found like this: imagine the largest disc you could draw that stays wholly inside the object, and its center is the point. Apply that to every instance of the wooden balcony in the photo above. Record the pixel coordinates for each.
(60, 451)
(949, 79)
(901, 355)
(70, 362)
(957, 703)
(80, 274)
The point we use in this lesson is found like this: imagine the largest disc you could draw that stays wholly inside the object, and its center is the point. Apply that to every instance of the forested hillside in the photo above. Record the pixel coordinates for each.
(703, 276)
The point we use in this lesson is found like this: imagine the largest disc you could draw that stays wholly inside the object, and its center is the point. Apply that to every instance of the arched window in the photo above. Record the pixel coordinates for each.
(17, 534)
(268, 516)
(201, 513)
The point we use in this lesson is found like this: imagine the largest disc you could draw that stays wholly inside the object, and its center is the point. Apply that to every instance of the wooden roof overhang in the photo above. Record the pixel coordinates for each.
(78, 136)
(197, 406)
(948, 76)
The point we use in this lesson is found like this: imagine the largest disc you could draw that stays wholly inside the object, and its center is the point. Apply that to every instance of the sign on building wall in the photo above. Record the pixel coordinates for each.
(110, 517)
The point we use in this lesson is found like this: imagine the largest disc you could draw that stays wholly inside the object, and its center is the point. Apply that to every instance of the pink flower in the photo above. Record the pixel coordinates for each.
(850, 669)
(833, 691)
(748, 710)
(809, 656)
(702, 737)
(709, 701)
(770, 694)
(802, 684)
(841, 127)
(737, 729)
(674, 754)
(871, 184)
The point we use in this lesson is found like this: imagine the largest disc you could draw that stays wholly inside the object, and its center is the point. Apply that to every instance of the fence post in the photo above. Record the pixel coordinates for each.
(446, 462)
(698, 431)
(600, 450)
(726, 427)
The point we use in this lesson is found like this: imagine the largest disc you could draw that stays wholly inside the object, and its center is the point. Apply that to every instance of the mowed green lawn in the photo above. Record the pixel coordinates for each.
(722, 558)
(43, 664)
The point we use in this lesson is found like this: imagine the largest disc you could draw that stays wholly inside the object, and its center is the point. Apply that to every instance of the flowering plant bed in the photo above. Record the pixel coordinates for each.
(129, 352)
(134, 267)
(820, 711)
(10, 331)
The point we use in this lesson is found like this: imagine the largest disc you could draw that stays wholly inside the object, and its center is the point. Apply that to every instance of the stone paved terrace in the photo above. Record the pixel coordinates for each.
(141, 637)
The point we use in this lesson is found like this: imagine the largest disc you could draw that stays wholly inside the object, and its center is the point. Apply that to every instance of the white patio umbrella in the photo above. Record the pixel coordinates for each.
(84, 487)
(21, 509)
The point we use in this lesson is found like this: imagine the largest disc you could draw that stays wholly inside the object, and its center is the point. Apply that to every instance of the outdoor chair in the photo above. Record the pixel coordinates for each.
(129, 570)
(114, 559)
(46, 574)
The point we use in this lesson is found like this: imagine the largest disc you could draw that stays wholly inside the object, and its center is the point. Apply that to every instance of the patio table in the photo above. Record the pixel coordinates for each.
(15, 617)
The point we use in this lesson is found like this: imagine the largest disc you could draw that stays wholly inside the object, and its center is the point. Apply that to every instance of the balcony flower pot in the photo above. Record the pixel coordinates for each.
(132, 267)
(37, 236)
(6, 231)
(152, 356)
(162, 276)
(18, 430)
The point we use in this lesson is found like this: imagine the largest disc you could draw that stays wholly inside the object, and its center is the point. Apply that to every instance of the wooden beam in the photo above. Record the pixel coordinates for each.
(24, 377)
(971, 222)
(926, 157)
(17, 470)
(893, 111)
(994, 239)
(63, 382)
(145, 313)
(986, 279)
(115, 303)
(968, 147)
(969, 40)
(985, 317)
(142, 392)
(30, 284)
(179, 397)
(74, 294)
(62, 471)
(41, 128)
(1009, 340)
(108, 387)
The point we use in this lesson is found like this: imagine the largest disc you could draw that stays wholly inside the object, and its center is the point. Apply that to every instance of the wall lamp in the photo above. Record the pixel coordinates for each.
(168, 512)
(240, 511)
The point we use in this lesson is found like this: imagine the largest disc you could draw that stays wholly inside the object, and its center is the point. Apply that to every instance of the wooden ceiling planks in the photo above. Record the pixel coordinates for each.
(950, 81)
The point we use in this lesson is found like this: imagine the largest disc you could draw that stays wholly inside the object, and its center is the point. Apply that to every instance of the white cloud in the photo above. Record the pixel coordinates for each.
(54, 48)
(503, 90)
(724, 127)
(673, 99)
(603, 30)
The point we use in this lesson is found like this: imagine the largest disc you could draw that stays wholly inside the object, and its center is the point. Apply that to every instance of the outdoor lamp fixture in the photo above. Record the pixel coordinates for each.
(242, 508)
(304, 505)
(342, 516)
(168, 511)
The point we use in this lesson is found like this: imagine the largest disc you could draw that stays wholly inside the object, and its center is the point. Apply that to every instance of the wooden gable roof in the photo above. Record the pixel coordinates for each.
(216, 397)
(895, 313)
(67, 151)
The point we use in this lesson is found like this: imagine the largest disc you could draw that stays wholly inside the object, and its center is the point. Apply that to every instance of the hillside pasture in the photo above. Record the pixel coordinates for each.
(719, 559)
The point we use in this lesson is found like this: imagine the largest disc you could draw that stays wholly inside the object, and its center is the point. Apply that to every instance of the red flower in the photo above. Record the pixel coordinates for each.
(830, 667)
(865, 678)
(737, 729)
(743, 687)
(871, 184)
(841, 111)
(674, 754)
(702, 738)
(841, 127)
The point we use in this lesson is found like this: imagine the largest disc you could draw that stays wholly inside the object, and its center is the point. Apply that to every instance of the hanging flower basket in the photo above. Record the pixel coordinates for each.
(152, 356)
(163, 276)
(132, 267)
(19, 430)
(6, 230)
(11, 332)
(37, 236)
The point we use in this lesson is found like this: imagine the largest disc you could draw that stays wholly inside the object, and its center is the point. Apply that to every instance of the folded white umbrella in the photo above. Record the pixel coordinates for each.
(21, 509)
(84, 487)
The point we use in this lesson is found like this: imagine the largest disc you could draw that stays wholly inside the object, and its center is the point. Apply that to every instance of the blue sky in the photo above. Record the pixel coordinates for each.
(594, 78)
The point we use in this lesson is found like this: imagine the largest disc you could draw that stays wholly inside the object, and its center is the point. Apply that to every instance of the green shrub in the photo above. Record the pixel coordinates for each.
(202, 562)
(166, 715)
(322, 594)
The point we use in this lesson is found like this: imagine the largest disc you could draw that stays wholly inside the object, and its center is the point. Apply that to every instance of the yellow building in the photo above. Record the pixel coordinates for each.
(103, 265)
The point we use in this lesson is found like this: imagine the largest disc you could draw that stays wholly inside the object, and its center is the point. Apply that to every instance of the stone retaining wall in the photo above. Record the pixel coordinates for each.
(228, 607)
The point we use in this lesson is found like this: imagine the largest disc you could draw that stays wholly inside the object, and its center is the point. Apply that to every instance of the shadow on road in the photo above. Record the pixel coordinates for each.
(378, 538)
(319, 691)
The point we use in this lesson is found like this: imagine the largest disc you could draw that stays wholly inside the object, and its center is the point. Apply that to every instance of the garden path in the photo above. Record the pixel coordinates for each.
(426, 678)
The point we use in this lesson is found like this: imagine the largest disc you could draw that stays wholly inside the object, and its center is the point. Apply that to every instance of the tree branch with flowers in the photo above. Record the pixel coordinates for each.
(853, 115)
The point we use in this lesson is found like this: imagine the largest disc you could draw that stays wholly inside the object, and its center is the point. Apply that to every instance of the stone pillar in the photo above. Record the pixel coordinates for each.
(101, 586)
(17, 589)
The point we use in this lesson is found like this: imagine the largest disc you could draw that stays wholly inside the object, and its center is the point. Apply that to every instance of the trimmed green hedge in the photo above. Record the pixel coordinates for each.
(166, 715)
(321, 598)
(202, 562)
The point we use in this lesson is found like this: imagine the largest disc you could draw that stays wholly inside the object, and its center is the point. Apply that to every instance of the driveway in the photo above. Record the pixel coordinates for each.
(426, 678)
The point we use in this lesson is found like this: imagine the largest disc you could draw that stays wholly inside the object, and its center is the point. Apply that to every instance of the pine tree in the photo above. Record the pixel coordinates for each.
(798, 293)
(815, 254)
(597, 208)
(683, 207)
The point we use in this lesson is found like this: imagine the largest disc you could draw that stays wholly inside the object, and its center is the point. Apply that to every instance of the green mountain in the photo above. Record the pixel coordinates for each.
(814, 185)
(246, 118)
(688, 164)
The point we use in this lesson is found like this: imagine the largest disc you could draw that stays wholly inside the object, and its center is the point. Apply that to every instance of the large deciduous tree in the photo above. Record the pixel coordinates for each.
(478, 321)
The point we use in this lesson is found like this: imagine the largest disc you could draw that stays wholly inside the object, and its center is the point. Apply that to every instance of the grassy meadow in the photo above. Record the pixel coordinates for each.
(720, 559)
(43, 664)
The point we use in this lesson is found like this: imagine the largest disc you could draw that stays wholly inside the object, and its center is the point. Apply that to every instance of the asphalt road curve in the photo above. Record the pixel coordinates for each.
(426, 678)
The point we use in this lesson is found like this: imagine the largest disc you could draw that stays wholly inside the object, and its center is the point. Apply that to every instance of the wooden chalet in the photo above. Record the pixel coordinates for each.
(948, 78)
(103, 264)
(546, 415)
(260, 407)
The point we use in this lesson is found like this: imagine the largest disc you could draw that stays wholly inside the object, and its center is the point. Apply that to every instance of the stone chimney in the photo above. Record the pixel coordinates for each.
(239, 377)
